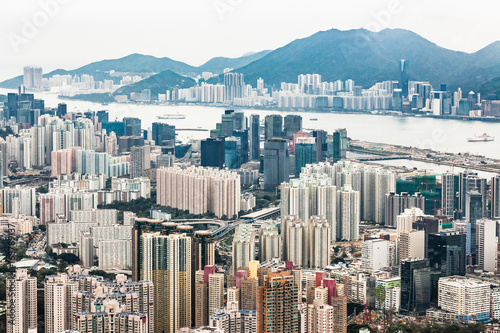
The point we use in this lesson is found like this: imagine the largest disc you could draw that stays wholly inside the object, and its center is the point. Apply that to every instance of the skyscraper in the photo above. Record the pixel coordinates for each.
(243, 152)
(140, 161)
(474, 212)
(348, 214)
(448, 195)
(58, 292)
(166, 261)
(234, 86)
(163, 134)
(215, 292)
(273, 126)
(447, 253)
(276, 163)
(292, 124)
(243, 246)
(132, 126)
(415, 282)
(254, 137)
(269, 242)
(397, 203)
(403, 69)
(339, 145)
(495, 197)
(305, 151)
(212, 152)
(21, 303)
(321, 145)
(277, 305)
(339, 305)
(487, 245)
(32, 77)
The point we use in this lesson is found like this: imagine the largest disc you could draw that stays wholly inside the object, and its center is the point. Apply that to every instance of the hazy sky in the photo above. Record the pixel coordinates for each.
(77, 32)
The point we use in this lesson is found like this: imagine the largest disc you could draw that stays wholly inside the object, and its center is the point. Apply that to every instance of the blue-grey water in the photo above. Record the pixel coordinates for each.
(437, 134)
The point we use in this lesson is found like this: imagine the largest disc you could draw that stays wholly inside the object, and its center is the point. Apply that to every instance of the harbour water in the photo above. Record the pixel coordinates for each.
(437, 134)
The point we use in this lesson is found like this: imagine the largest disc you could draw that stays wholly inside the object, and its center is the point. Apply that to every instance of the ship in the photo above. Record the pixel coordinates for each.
(481, 138)
(313, 119)
(172, 116)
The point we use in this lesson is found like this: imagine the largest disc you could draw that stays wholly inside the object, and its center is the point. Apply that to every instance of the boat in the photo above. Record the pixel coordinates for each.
(313, 119)
(172, 116)
(481, 138)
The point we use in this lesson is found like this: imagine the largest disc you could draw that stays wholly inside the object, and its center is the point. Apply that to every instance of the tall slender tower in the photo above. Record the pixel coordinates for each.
(166, 260)
(21, 303)
(277, 305)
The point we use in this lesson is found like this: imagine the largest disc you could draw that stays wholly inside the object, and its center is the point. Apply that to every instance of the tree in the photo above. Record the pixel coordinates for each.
(69, 258)
(20, 253)
(49, 251)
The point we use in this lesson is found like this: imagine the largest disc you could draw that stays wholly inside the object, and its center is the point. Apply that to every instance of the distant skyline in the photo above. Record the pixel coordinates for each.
(75, 33)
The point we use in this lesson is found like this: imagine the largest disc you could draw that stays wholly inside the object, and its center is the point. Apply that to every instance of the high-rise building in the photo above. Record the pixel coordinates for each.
(254, 137)
(292, 124)
(140, 161)
(397, 203)
(388, 293)
(276, 163)
(487, 245)
(277, 304)
(199, 190)
(319, 255)
(243, 246)
(32, 77)
(215, 292)
(467, 299)
(339, 145)
(447, 253)
(319, 317)
(249, 294)
(132, 126)
(473, 212)
(163, 134)
(232, 152)
(415, 282)
(495, 198)
(166, 261)
(348, 214)
(339, 305)
(234, 86)
(295, 236)
(232, 320)
(321, 145)
(305, 151)
(403, 69)
(21, 303)
(470, 181)
(273, 127)
(269, 242)
(212, 152)
(58, 292)
(244, 149)
(448, 195)
(375, 254)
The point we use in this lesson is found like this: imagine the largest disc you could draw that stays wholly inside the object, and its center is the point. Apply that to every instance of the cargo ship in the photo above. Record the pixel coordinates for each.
(481, 138)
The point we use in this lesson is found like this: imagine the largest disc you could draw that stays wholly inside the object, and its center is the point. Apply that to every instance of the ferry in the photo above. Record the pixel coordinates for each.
(172, 116)
(481, 138)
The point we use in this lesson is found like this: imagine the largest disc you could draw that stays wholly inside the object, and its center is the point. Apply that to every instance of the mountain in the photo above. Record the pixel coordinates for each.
(368, 57)
(139, 63)
(218, 64)
(159, 84)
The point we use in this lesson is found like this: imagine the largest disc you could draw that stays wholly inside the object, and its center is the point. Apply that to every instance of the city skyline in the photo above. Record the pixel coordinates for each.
(216, 28)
